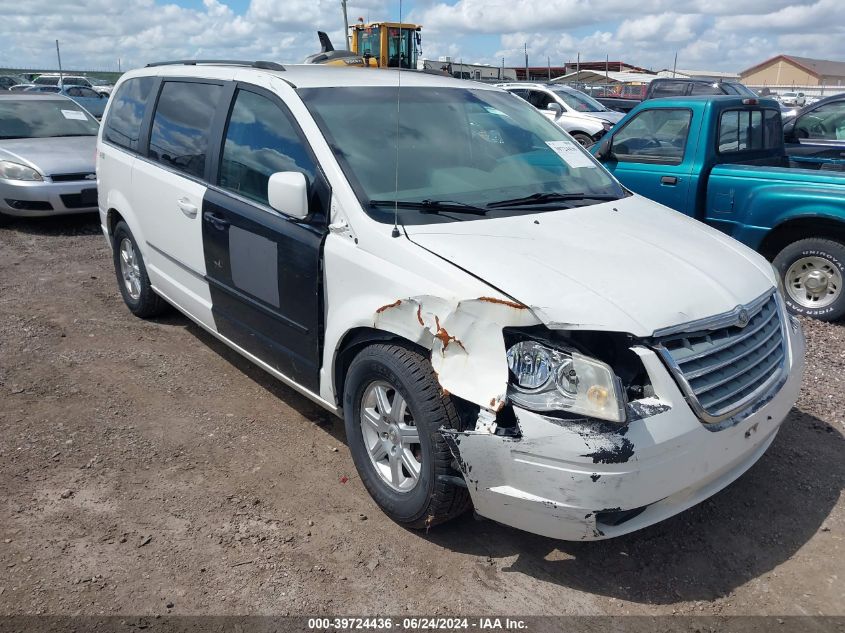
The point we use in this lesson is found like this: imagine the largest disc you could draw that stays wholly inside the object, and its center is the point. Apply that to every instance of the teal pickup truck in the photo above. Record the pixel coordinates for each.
(721, 159)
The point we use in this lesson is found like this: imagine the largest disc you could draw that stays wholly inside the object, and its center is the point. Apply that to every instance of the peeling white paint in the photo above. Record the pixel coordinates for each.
(466, 342)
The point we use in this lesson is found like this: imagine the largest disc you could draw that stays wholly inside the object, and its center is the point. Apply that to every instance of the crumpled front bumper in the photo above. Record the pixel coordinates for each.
(574, 480)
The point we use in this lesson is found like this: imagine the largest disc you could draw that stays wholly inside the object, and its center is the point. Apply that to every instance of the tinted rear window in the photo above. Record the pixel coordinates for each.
(749, 131)
(182, 124)
(123, 124)
(668, 89)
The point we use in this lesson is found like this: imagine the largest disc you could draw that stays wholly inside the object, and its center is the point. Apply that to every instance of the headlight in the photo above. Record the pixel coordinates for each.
(547, 379)
(779, 278)
(16, 171)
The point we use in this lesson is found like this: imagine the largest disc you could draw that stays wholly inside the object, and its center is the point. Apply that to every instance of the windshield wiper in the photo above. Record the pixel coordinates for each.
(544, 198)
(432, 206)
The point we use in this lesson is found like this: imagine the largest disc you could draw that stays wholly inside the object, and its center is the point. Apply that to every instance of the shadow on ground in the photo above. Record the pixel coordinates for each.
(58, 225)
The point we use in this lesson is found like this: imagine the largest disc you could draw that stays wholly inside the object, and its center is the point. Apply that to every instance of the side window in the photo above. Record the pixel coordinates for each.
(123, 123)
(654, 136)
(74, 92)
(826, 122)
(539, 99)
(261, 139)
(522, 94)
(182, 125)
(669, 89)
(705, 89)
(749, 131)
(88, 93)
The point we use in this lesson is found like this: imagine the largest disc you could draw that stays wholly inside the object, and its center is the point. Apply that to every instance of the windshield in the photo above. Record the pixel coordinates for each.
(579, 101)
(35, 118)
(464, 146)
(46, 81)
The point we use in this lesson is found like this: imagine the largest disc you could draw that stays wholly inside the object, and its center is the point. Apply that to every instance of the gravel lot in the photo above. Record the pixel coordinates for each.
(146, 469)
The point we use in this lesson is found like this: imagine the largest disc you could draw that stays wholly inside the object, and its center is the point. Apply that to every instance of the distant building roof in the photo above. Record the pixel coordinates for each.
(596, 77)
(697, 74)
(816, 67)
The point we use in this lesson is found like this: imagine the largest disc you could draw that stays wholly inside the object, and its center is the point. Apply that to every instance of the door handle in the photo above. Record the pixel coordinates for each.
(668, 180)
(218, 222)
(186, 207)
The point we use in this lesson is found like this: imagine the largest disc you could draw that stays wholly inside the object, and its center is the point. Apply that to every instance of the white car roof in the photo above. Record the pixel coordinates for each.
(313, 75)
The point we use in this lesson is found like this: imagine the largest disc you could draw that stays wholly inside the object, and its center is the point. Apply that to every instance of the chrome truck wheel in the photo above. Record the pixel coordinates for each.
(813, 271)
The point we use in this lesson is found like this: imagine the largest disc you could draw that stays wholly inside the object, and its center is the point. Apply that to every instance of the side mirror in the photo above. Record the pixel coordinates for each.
(789, 134)
(287, 192)
(555, 107)
(605, 149)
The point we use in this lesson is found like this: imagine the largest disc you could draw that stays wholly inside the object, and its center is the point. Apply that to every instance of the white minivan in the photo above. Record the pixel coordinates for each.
(499, 322)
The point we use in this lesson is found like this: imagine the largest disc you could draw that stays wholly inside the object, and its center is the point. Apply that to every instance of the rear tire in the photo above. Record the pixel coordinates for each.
(813, 271)
(394, 386)
(132, 279)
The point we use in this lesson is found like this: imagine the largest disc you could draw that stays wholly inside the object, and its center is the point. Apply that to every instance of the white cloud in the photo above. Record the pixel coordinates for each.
(717, 34)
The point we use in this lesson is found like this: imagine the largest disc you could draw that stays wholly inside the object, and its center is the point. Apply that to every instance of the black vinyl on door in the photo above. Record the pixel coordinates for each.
(264, 274)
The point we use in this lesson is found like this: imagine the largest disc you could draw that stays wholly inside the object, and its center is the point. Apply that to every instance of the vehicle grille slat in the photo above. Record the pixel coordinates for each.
(73, 177)
(751, 380)
(767, 335)
(722, 369)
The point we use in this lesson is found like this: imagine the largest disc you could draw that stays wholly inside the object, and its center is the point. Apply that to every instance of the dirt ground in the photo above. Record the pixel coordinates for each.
(147, 469)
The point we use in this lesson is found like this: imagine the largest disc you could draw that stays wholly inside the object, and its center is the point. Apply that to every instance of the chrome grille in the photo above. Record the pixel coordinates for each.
(724, 367)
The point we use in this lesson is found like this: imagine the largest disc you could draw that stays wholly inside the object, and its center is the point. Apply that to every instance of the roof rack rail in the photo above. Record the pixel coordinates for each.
(221, 62)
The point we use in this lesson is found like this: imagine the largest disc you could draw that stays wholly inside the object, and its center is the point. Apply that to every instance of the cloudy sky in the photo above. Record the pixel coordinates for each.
(707, 34)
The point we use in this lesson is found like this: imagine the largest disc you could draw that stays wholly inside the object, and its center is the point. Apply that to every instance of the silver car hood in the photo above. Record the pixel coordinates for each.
(628, 266)
(58, 155)
(610, 116)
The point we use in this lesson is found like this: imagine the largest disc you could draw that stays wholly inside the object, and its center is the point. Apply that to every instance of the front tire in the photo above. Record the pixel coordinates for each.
(394, 409)
(813, 271)
(584, 139)
(132, 279)
(5, 220)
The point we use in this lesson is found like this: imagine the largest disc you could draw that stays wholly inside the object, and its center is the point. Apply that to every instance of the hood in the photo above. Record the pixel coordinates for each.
(610, 116)
(629, 266)
(62, 155)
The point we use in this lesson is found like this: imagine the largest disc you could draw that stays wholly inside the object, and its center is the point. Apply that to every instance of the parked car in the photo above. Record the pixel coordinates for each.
(20, 87)
(92, 101)
(54, 79)
(681, 87)
(7, 81)
(792, 99)
(101, 85)
(722, 160)
(495, 317)
(815, 135)
(579, 114)
(47, 145)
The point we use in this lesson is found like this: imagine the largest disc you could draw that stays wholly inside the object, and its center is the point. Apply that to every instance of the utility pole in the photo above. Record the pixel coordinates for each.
(578, 64)
(502, 75)
(549, 64)
(525, 49)
(345, 25)
(675, 65)
(606, 62)
(118, 64)
(59, 55)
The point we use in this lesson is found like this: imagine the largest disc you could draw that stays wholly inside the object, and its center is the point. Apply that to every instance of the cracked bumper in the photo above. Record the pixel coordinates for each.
(575, 481)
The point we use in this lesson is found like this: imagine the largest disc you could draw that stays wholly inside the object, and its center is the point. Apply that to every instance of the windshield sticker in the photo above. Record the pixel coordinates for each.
(571, 153)
(74, 115)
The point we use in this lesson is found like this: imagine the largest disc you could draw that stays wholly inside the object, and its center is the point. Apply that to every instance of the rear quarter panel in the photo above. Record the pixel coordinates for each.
(747, 202)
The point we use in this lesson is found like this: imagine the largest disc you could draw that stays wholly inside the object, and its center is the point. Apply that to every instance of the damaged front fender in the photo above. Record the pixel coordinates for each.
(465, 338)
